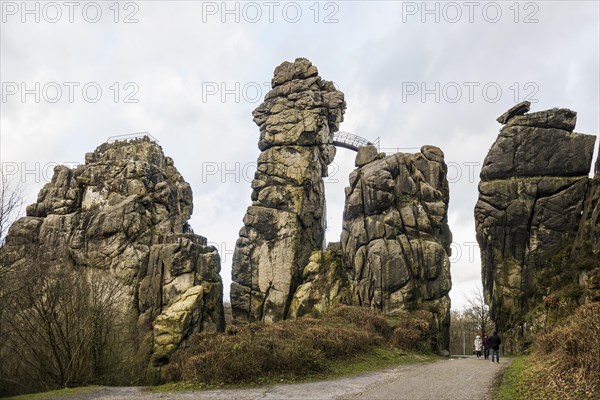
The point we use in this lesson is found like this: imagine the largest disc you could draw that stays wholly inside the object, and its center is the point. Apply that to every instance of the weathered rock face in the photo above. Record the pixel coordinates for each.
(125, 212)
(588, 233)
(325, 283)
(286, 221)
(394, 250)
(535, 199)
(395, 239)
(586, 249)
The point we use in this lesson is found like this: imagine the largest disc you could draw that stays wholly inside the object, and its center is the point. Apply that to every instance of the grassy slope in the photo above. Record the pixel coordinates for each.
(293, 350)
(347, 342)
(511, 385)
(564, 363)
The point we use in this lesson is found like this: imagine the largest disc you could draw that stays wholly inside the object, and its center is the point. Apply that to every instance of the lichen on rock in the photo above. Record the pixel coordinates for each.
(325, 283)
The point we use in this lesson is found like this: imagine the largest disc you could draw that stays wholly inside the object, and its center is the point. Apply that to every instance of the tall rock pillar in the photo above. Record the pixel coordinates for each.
(532, 198)
(286, 220)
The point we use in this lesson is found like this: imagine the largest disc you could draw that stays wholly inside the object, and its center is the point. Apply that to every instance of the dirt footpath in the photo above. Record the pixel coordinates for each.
(455, 379)
(452, 379)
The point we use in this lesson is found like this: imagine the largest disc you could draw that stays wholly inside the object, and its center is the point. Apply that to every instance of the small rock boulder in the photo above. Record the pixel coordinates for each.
(365, 155)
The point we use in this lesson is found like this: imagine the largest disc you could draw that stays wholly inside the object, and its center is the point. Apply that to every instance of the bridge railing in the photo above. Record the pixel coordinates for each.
(353, 142)
(349, 140)
(129, 136)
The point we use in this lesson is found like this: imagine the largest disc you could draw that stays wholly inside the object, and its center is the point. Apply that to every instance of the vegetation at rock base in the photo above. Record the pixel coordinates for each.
(62, 331)
(376, 359)
(294, 349)
(570, 278)
(564, 362)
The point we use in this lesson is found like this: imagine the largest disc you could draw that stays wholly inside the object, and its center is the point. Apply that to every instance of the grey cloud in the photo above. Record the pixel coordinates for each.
(370, 53)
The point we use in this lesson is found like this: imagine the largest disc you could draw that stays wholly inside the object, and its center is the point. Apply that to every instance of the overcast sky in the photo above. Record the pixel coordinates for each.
(190, 73)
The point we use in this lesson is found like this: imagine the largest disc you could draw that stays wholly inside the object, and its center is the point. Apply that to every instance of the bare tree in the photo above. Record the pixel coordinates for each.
(11, 200)
(10, 204)
(67, 328)
(466, 324)
(59, 325)
(462, 333)
(478, 313)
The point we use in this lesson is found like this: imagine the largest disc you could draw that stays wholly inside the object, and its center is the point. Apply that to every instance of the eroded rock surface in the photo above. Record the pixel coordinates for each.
(125, 212)
(395, 239)
(286, 221)
(535, 200)
(325, 283)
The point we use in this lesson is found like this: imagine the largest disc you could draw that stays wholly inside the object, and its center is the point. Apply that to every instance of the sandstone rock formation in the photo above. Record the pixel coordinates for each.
(395, 245)
(125, 212)
(535, 200)
(395, 239)
(325, 283)
(588, 233)
(286, 221)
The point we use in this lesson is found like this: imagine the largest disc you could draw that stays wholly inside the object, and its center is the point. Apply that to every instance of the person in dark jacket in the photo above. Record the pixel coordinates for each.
(486, 347)
(495, 343)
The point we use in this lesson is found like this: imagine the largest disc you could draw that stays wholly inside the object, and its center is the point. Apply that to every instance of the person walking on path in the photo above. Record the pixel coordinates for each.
(495, 343)
(478, 345)
(486, 347)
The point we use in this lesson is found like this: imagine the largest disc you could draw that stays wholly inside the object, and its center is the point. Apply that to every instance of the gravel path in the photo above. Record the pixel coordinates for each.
(455, 379)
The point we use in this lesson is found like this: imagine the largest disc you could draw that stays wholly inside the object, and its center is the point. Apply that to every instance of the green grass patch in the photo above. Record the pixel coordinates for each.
(512, 383)
(380, 358)
(55, 393)
(527, 379)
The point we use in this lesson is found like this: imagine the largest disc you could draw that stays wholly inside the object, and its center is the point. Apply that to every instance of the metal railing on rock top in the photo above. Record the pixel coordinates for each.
(129, 136)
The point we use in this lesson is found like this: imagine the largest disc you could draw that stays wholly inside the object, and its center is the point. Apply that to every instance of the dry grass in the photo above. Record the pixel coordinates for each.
(413, 332)
(259, 351)
(565, 362)
(569, 355)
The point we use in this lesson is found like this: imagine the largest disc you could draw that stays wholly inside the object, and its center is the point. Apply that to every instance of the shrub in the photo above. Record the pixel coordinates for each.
(364, 318)
(259, 351)
(413, 332)
(64, 329)
(249, 353)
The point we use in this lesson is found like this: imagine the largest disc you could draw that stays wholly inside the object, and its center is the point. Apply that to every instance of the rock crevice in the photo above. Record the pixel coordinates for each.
(395, 244)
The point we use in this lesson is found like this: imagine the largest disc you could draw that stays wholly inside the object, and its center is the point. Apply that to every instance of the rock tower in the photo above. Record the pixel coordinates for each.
(537, 215)
(286, 220)
(395, 239)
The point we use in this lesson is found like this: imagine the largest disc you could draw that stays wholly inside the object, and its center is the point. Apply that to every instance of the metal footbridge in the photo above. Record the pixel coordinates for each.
(349, 141)
(343, 139)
